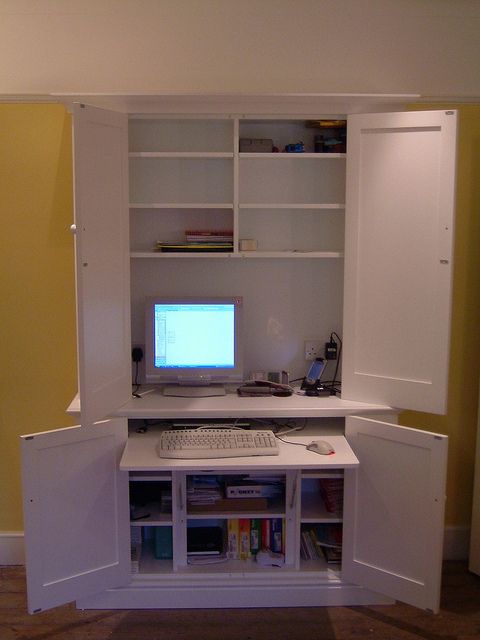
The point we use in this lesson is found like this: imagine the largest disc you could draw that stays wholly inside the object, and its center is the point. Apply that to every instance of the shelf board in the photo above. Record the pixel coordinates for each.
(273, 205)
(181, 154)
(156, 518)
(243, 255)
(145, 476)
(290, 156)
(171, 254)
(291, 254)
(181, 205)
(228, 515)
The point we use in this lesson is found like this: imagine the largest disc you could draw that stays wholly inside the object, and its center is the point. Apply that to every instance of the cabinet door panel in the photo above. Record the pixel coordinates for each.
(102, 260)
(394, 511)
(398, 258)
(76, 513)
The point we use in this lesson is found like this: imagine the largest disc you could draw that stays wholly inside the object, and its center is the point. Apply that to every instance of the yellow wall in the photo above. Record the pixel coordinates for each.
(37, 340)
(37, 295)
(460, 422)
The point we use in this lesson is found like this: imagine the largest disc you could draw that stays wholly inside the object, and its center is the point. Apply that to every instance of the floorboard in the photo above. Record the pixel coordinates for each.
(459, 618)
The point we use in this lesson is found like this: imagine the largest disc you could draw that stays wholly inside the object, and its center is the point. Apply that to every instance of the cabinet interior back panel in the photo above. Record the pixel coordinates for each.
(181, 180)
(294, 230)
(147, 134)
(282, 305)
(294, 179)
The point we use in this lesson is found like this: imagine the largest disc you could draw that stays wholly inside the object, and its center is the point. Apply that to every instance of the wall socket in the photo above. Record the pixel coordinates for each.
(313, 349)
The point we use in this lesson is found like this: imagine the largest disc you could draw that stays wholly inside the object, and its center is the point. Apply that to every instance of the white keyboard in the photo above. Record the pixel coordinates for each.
(216, 443)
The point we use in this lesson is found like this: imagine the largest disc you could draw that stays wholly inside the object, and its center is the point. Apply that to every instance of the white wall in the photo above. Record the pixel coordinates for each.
(431, 47)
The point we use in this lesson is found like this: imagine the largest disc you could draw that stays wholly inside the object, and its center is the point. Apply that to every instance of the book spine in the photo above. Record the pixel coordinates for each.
(276, 535)
(244, 527)
(265, 533)
(255, 536)
(233, 542)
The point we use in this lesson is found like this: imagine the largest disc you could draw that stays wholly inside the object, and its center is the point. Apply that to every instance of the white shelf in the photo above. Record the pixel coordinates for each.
(181, 205)
(180, 154)
(244, 254)
(282, 205)
(156, 405)
(142, 476)
(156, 518)
(227, 515)
(291, 254)
(171, 254)
(290, 156)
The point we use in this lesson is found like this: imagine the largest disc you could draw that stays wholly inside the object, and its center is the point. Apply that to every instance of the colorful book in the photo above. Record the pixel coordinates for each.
(265, 534)
(244, 529)
(233, 539)
(255, 536)
(276, 535)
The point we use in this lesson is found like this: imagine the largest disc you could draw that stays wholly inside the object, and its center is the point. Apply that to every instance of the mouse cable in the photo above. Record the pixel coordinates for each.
(298, 444)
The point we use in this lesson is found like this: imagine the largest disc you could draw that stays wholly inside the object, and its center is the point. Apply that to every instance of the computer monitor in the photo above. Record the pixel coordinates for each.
(194, 346)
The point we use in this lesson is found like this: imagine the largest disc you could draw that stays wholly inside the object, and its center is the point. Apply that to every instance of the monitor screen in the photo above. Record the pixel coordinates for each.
(193, 341)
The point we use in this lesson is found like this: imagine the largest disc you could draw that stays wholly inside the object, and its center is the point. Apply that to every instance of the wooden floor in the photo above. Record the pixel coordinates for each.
(459, 619)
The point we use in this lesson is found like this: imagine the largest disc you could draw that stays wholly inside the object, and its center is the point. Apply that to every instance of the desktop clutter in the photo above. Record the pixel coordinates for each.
(277, 384)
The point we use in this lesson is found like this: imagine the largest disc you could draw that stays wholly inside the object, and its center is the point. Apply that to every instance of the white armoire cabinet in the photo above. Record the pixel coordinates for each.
(359, 244)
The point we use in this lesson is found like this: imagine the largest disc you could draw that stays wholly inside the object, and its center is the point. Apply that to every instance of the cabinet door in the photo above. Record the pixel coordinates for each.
(102, 260)
(398, 258)
(76, 513)
(394, 511)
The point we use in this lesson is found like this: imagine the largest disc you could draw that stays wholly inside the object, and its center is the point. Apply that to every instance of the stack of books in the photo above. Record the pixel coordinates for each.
(322, 541)
(247, 536)
(199, 241)
(203, 491)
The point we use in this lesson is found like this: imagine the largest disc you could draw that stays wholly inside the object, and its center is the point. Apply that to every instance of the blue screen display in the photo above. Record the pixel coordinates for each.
(194, 335)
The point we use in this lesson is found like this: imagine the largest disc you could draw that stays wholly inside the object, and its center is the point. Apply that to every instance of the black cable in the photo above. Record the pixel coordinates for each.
(338, 355)
(298, 444)
(136, 384)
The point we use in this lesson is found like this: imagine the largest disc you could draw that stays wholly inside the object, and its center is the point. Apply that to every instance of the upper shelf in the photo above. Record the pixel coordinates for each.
(155, 405)
(181, 154)
(293, 156)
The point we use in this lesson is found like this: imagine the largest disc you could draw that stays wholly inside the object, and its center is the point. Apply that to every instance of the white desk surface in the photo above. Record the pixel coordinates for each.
(140, 455)
(155, 405)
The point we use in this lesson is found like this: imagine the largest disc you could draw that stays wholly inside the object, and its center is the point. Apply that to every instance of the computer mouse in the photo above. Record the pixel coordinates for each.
(321, 446)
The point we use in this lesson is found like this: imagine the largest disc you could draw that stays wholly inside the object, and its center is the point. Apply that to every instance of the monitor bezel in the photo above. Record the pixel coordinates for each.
(197, 376)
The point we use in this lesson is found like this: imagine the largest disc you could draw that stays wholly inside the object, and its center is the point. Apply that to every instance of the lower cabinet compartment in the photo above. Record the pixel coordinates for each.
(235, 523)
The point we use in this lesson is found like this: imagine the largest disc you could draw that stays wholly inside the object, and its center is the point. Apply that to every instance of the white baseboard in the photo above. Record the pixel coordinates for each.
(11, 548)
(456, 545)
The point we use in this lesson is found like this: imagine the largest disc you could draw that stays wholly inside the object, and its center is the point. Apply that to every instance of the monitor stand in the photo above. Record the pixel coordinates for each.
(200, 391)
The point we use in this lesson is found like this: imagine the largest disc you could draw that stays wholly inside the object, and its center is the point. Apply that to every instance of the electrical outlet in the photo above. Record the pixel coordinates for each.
(313, 349)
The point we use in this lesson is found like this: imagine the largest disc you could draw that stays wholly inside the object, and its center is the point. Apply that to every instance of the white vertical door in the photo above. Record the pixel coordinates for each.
(398, 258)
(102, 260)
(394, 511)
(76, 513)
